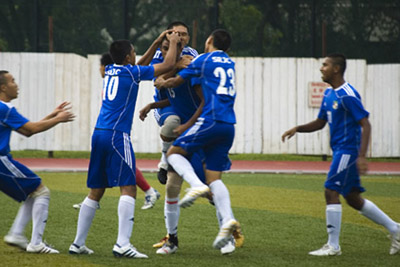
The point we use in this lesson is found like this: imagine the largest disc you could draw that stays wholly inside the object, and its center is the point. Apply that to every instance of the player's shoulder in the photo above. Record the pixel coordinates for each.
(4, 106)
(347, 90)
(187, 50)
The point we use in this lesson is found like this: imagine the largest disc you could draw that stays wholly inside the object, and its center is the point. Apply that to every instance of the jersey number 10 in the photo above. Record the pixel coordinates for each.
(221, 73)
(110, 87)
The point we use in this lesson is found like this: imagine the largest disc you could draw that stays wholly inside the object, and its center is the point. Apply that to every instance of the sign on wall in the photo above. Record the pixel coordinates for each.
(316, 93)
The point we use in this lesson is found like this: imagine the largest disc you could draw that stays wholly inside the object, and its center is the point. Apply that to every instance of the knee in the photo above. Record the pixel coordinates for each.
(41, 191)
(167, 130)
(174, 184)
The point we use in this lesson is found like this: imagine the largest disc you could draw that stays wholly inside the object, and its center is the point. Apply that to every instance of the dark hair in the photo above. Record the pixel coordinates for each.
(177, 23)
(119, 50)
(2, 77)
(221, 39)
(338, 59)
(106, 59)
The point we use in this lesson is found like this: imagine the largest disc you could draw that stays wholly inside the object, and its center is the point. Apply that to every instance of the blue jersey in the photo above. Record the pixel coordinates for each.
(342, 109)
(216, 71)
(120, 89)
(184, 100)
(158, 58)
(10, 120)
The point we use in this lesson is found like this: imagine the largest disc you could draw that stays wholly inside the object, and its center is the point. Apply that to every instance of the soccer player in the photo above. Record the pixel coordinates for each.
(165, 115)
(213, 132)
(350, 132)
(186, 102)
(16, 180)
(112, 161)
(151, 194)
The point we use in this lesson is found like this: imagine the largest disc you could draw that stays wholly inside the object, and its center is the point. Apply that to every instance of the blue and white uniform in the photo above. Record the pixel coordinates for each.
(214, 130)
(112, 161)
(342, 109)
(161, 114)
(16, 180)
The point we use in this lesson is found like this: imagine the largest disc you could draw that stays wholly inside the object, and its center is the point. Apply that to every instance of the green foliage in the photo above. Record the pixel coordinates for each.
(262, 28)
(282, 218)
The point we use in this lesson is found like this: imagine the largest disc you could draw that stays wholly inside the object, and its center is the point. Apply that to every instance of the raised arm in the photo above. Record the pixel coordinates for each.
(170, 58)
(59, 115)
(148, 56)
(312, 126)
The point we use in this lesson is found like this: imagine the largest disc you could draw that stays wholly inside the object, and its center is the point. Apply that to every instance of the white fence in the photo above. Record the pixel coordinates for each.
(272, 96)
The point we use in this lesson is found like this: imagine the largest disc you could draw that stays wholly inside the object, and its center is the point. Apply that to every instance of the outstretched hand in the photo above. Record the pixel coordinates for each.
(289, 134)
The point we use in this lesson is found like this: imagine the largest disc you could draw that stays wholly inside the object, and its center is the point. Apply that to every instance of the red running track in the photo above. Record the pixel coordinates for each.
(320, 167)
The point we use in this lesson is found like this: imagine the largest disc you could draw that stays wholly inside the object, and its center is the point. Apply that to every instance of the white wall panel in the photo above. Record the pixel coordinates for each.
(272, 96)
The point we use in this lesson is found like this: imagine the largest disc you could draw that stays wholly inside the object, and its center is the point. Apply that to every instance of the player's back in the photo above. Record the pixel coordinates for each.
(120, 89)
(218, 83)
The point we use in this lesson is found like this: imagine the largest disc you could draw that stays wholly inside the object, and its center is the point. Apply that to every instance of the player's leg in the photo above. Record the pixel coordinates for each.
(171, 213)
(375, 214)
(40, 211)
(16, 235)
(167, 136)
(20, 183)
(85, 218)
(97, 182)
(123, 174)
(151, 194)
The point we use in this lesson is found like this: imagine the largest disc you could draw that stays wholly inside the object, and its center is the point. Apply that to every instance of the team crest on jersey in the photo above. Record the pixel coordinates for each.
(335, 105)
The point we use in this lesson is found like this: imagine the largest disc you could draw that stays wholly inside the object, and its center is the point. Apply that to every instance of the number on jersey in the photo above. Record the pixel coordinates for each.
(222, 74)
(110, 87)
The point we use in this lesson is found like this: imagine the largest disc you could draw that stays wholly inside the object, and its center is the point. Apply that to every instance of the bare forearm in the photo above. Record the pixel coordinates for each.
(365, 136)
(312, 126)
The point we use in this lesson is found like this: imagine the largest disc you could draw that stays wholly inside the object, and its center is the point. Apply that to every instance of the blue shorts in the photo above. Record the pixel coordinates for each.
(160, 114)
(343, 175)
(16, 180)
(112, 161)
(197, 160)
(214, 138)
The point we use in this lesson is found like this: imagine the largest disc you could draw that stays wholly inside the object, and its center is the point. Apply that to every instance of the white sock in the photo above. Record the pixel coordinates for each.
(171, 212)
(40, 211)
(23, 217)
(183, 167)
(165, 147)
(219, 218)
(222, 200)
(372, 212)
(126, 211)
(333, 223)
(150, 191)
(85, 218)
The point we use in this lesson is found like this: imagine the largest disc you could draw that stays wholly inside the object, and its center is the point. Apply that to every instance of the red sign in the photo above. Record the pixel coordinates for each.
(316, 93)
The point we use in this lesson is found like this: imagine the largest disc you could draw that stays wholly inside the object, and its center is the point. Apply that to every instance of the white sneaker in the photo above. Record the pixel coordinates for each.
(16, 240)
(128, 251)
(228, 248)
(225, 233)
(167, 248)
(41, 248)
(326, 250)
(150, 200)
(192, 194)
(395, 247)
(75, 249)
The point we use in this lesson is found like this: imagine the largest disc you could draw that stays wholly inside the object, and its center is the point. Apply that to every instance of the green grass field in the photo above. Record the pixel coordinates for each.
(283, 218)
